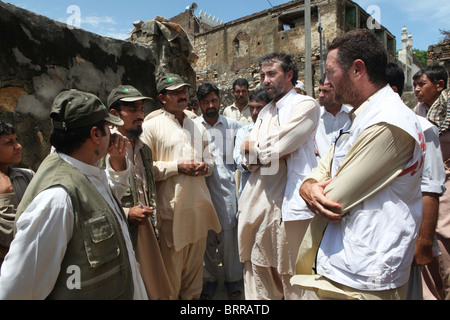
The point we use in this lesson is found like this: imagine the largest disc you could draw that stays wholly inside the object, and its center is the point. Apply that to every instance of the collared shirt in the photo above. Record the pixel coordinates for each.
(233, 112)
(221, 183)
(50, 218)
(328, 129)
(185, 209)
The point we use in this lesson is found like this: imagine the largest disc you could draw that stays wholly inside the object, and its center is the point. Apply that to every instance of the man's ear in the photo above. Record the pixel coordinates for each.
(440, 85)
(359, 68)
(162, 98)
(114, 112)
(95, 135)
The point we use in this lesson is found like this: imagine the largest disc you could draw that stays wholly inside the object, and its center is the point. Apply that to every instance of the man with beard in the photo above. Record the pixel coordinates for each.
(280, 153)
(366, 193)
(333, 117)
(127, 103)
(222, 186)
(181, 160)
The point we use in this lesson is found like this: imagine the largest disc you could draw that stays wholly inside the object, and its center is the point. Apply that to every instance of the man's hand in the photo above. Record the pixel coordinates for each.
(202, 169)
(117, 151)
(312, 192)
(191, 168)
(139, 215)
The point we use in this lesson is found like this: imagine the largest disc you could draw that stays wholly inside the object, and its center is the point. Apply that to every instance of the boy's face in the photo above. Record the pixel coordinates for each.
(10, 149)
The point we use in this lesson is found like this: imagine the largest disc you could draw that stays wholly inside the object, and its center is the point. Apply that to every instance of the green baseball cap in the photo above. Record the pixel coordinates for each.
(170, 81)
(74, 109)
(125, 93)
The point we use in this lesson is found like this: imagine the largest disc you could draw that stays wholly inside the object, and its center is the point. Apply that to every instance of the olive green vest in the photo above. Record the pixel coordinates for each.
(95, 265)
(131, 196)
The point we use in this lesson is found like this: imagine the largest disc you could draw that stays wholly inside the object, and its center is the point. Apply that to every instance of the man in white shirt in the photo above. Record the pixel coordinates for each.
(333, 117)
(272, 216)
(72, 239)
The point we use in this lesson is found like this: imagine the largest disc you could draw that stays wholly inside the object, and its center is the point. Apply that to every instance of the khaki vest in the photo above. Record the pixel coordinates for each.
(95, 265)
(131, 196)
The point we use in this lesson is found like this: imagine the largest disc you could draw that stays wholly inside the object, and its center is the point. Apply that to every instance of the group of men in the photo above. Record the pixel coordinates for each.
(299, 200)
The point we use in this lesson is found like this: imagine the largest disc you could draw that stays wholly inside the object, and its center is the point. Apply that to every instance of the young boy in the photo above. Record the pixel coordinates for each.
(13, 182)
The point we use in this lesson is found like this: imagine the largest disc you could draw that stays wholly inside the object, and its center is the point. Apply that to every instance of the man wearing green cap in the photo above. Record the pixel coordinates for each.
(182, 158)
(127, 103)
(72, 240)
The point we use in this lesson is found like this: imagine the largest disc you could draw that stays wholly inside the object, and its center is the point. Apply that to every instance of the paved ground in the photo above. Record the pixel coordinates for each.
(221, 291)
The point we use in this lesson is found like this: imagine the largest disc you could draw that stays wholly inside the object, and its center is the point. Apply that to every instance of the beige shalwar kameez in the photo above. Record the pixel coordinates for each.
(185, 209)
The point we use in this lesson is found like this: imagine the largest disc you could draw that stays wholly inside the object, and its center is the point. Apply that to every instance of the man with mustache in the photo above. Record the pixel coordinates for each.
(222, 187)
(333, 117)
(139, 202)
(181, 158)
(239, 110)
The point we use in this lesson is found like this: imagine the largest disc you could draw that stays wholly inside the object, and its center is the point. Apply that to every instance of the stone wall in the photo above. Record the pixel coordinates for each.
(40, 57)
(233, 50)
(440, 53)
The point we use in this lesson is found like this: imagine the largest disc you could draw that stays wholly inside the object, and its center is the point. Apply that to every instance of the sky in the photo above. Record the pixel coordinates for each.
(112, 18)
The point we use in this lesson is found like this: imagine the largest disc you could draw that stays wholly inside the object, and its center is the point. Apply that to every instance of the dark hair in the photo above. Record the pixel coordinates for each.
(6, 128)
(192, 102)
(286, 62)
(205, 89)
(240, 82)
(322, 80)
(395, 77)
(365, 45)
(71, 140)
(260, 95)
(434, 72)
(118, 105)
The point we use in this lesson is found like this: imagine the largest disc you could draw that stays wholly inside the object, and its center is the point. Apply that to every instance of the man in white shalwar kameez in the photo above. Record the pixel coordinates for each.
(279, 152)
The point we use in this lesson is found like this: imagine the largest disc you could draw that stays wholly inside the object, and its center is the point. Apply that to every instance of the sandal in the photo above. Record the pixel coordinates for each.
(234, 290)
(209, 288)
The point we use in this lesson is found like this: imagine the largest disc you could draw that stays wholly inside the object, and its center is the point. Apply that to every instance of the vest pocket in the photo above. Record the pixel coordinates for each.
(101, 244)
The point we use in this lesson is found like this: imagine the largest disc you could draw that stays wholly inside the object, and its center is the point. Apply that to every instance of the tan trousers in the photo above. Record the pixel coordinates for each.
(184, 268)
(324, 289)
(266, 283)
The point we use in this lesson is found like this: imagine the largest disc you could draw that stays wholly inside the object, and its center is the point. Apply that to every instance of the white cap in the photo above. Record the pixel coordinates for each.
(300, 85)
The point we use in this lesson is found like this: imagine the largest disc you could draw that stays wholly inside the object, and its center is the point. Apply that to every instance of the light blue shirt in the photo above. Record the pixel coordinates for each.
(241, 136)
(221, 183)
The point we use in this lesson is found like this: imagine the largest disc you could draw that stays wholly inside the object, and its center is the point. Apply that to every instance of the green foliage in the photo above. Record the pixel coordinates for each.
(421, 55)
